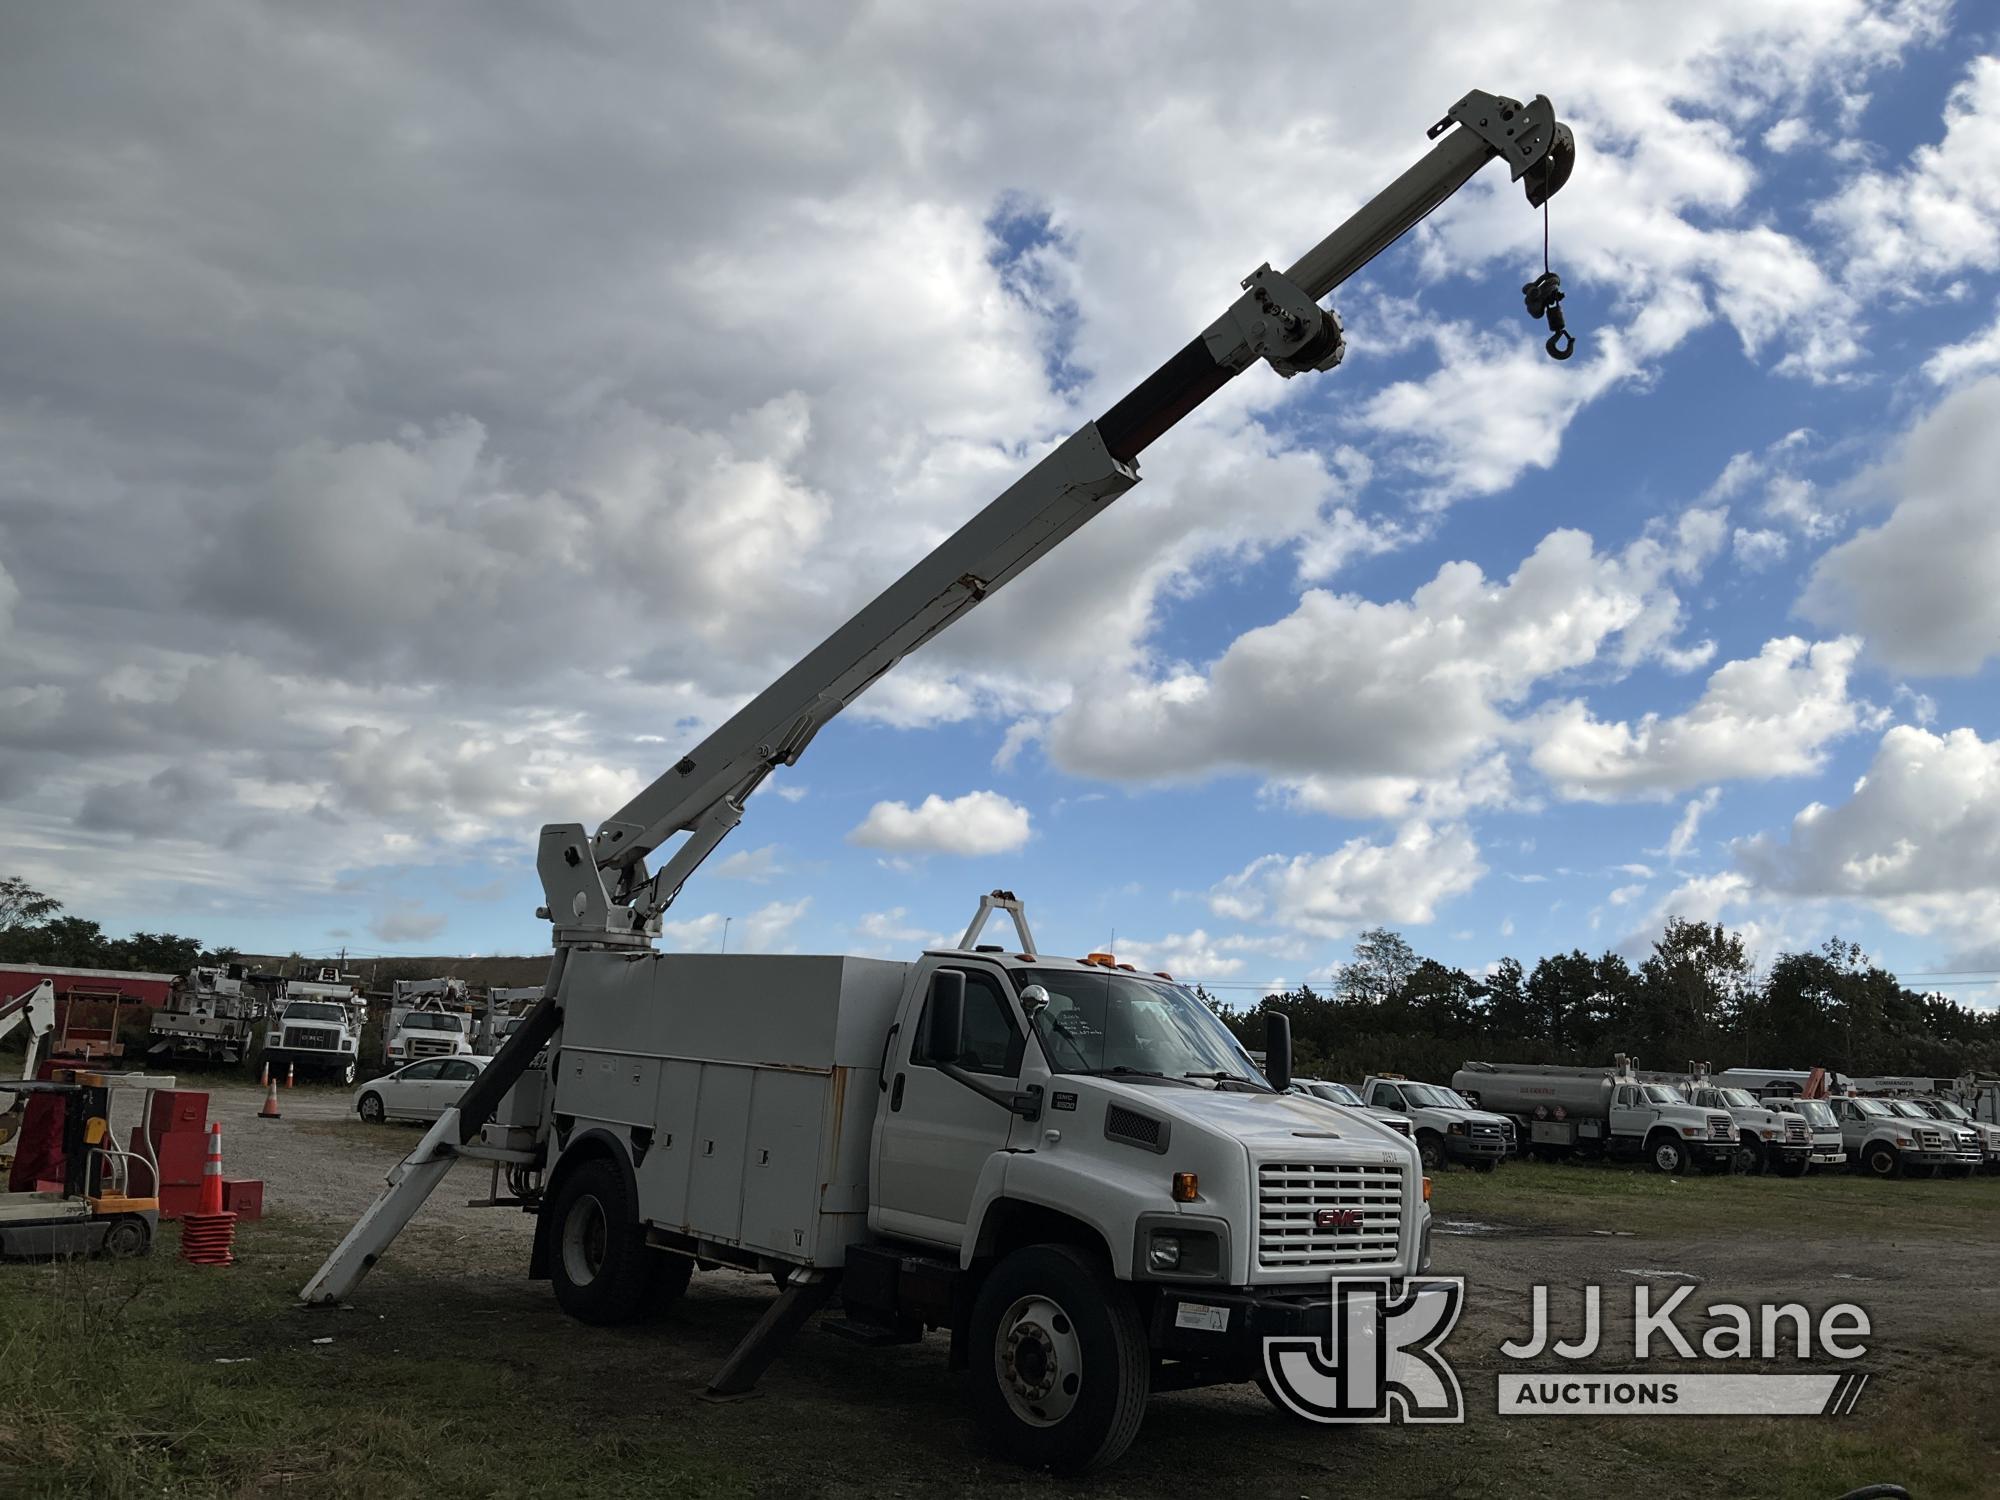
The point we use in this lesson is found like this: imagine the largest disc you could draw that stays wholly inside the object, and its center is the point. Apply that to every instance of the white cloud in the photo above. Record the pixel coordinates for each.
(1760, 549)
(977, 823)
(1681, 840)
(1770, 715)
(754, 865)
(1367, 709)
(407, 925)
(1920, 585)
(1400, 882)
(1788, 134)
(1973, 356)
(765, 930)
(1941, 213)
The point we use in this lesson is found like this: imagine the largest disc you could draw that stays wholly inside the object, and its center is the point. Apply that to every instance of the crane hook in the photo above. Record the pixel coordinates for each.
(1544, 297)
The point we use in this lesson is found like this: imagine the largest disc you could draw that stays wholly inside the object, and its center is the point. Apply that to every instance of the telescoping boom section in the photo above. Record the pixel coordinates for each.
(603, 891)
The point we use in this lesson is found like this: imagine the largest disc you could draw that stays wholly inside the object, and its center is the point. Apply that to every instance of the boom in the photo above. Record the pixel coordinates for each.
(1278, 319)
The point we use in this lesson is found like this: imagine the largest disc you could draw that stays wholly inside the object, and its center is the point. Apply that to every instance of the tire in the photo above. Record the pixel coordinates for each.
(1880, 1159)
(1485, 1164)
(347, 1076)
(1430, 1146)
(1749, 1158)
(1667, 1154)
(128, 1236)
(603, 1271)
(370, 1109)
(1060, 1368)
(1793, 1166)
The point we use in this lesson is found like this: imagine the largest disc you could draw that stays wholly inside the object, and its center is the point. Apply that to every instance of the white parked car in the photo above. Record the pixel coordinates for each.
(421, 1091)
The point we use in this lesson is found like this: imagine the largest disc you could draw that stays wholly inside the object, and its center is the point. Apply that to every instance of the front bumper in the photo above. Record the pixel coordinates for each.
(1915, 1156)
(1475, 1148)
(1829, 1156)
(1184, 1323)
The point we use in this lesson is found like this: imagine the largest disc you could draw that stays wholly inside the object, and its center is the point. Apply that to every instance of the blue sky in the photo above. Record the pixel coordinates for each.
(415, 433)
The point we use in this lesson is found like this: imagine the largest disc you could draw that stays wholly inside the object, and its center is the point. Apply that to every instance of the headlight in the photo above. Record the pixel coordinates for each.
(1903, 1140)
(1456, 1128)
(1689, 1130)
(1165, 1254)
(1770, 1135)
(1184, 1252)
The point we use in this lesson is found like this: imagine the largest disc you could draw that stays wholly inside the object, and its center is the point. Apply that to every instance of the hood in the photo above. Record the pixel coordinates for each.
(1469, 1116)
(1263, 1122)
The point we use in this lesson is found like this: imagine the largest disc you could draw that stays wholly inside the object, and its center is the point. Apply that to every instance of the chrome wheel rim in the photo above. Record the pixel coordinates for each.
(1038, 1361)
(584, 1235)
(1666, 1156)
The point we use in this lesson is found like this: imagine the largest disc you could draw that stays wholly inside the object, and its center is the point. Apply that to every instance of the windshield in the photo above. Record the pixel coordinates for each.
(1335, 1093)
(1953, 1111)
(1870, 1106)
(1737, 1099)
(1430, 1096)
(1110, 1023)
(1816, 1110)
(429, 1021)
(1907, 1110)
(314, 1010)
(1663, 1093)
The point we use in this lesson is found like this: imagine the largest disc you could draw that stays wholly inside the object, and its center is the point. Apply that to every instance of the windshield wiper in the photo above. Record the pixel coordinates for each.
(1121, 1071)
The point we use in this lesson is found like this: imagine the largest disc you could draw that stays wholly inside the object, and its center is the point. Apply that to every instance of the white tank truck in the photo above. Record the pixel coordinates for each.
(1602, 1112)
(1070, 1166)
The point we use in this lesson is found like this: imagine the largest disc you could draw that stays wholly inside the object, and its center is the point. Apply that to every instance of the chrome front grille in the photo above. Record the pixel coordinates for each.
(1930, 1140)
(1492, 1129)
(313, 1037)
(1292, 1196)
(1796, 1133)
(1721, 1128)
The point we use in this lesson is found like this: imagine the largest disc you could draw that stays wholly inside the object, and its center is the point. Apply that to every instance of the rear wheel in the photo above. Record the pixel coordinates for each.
(603, 1270)
(371, 1109)
(1059, 1360)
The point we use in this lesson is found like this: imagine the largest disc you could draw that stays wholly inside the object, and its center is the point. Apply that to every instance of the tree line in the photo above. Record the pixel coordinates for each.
(35, 930)
(1696, 996)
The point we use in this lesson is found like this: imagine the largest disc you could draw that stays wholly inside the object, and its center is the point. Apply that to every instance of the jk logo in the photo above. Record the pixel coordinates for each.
(1380, 1359)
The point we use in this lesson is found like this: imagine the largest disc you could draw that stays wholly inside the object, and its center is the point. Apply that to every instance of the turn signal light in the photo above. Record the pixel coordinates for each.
(1427, 1190)
(1187, 1187)
(1099, 958)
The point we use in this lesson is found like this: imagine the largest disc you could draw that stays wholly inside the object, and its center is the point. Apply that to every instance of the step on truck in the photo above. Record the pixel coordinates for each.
(1068, 1165)
(1447, 1128)
(1608, 1112)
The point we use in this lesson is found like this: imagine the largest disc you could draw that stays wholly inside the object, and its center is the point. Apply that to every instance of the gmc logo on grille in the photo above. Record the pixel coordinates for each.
(1337, 1218)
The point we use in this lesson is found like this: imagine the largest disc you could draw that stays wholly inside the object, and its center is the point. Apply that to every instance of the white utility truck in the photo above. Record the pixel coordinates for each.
(1328, 1091)
(1951, 1112)
(208, 1015)
(1447, 1128)
(1602, 1112)
(1069, 1165)
(427, 1018)
(318, 1031)
(1885, 1144)
(1767, 1138)
(1828, 1148)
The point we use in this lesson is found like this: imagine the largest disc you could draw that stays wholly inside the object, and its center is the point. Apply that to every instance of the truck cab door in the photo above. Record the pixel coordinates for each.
(933, 1135)
(1630, 1114)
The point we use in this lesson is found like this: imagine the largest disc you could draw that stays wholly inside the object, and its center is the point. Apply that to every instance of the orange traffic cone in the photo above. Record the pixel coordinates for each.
(291, 1074)
(270, 1109)
(266, 1079)
(208, 1235)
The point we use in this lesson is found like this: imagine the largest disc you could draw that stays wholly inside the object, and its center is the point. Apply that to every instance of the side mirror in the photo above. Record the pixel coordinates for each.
(1278, 1050)
(1034, 1000)
(944, 1028)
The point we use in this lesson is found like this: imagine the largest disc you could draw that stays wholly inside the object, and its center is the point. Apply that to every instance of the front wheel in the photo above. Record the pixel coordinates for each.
(1430, 1146)
(128, 1236)
(1059, 1363)
(1485, 1164)
(1749, 1158)
(1881, 1160)
(347, 1076)
(1793, 1166)
(1668, 1155)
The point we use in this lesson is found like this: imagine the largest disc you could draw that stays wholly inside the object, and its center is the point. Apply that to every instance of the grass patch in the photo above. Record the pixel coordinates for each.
(111, 1386)
(1614, 1196)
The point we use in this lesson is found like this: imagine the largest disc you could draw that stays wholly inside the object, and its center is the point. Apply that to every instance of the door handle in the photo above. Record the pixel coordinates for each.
(896, 1094)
